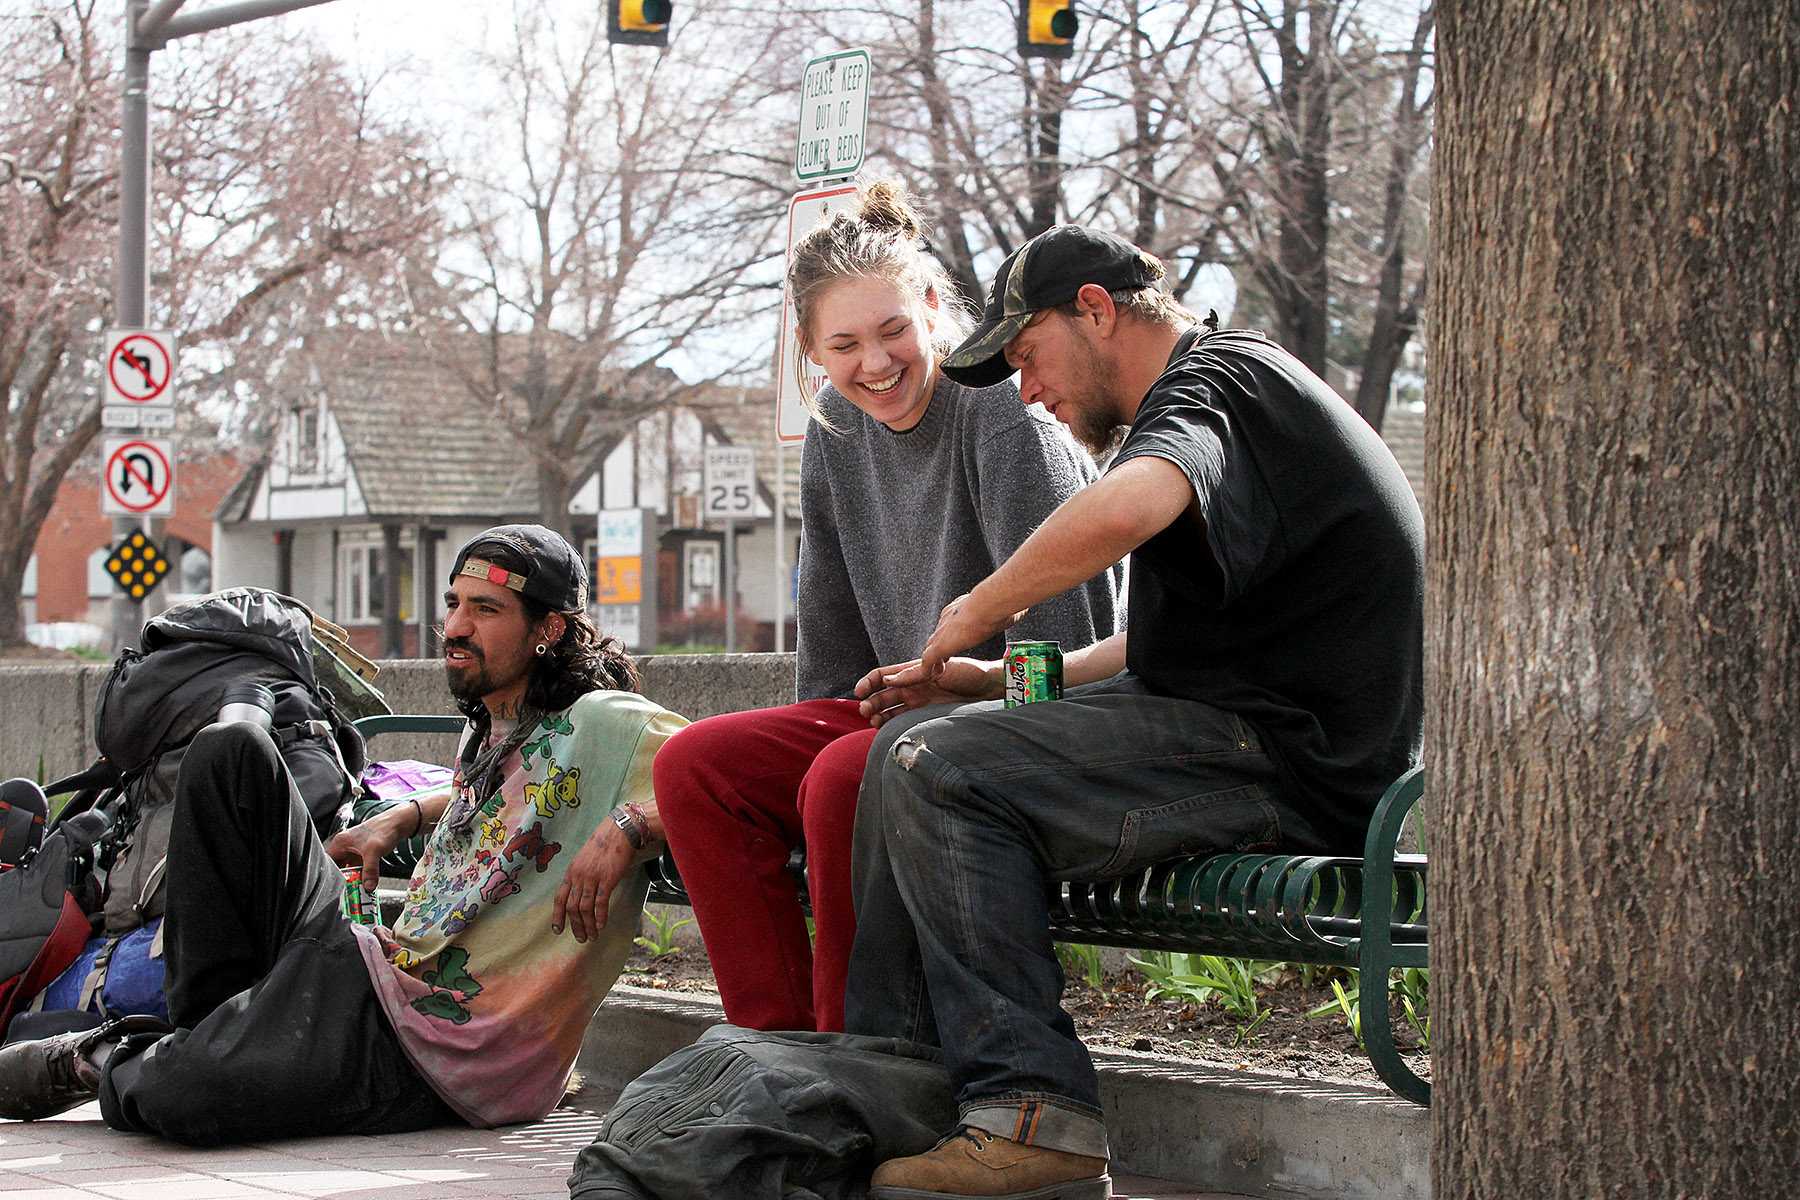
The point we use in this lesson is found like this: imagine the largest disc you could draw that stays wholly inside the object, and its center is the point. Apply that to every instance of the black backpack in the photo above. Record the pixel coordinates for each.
(157, 698)
(767, 1116)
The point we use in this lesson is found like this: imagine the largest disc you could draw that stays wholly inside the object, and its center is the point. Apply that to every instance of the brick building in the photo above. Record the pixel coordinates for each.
(66, 579)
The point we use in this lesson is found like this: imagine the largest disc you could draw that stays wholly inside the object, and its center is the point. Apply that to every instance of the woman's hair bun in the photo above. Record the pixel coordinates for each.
(884, 205)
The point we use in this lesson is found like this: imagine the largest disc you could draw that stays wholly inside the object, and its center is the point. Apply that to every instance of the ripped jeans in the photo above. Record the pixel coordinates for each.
(966, 816)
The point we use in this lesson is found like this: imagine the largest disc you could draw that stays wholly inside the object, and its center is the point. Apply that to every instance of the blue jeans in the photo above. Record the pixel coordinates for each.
(968, 813)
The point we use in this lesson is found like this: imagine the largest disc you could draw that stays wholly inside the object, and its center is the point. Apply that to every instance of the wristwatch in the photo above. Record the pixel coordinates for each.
(632, 824)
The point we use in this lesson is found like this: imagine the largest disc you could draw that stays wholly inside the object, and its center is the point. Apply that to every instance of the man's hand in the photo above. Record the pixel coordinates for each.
(588, 884)
(363, 845)
(886, 692)
(964, 622)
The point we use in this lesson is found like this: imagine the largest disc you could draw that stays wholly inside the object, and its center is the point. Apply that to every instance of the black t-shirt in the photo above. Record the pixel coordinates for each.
(1296, 597)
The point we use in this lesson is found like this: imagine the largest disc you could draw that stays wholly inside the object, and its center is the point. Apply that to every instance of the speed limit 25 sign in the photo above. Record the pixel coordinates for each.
(730, 483)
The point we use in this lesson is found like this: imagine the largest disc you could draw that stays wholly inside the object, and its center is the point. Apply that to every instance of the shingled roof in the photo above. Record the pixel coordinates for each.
(419, 443)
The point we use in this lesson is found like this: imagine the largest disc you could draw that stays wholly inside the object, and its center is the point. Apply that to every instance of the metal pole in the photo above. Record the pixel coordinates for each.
(730, 586)
(131, 293)
(231, 14)
(781, 574)
(150, 26)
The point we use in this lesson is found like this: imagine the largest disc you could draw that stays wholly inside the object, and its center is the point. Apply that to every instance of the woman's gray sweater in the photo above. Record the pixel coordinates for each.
(896, 525)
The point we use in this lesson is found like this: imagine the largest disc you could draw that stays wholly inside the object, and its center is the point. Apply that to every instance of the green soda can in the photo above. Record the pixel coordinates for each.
(1033, 672)
(359, 903)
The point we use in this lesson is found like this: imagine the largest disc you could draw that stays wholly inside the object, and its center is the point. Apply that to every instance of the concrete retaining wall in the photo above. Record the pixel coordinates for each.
(1212, 1130)
(47, 710)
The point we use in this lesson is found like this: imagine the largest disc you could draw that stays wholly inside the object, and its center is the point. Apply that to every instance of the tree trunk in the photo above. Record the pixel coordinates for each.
(1049, 95)
(12, 603)
(1614, 601)
(555, 490)
(952, 234)
(1396, 315)
(1298, 278)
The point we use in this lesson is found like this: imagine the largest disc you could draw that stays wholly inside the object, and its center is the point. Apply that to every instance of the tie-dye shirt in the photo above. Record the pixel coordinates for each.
(488, 1003)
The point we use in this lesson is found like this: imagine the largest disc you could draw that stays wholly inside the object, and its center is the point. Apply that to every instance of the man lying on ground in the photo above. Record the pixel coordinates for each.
(1268, 691)
(289, 1020)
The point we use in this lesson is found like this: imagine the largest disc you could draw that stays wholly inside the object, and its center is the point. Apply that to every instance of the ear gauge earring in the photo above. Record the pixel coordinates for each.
(541, 650)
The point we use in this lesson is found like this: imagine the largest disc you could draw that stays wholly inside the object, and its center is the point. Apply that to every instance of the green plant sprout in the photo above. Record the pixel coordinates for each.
(1083, 961)
(660, 943)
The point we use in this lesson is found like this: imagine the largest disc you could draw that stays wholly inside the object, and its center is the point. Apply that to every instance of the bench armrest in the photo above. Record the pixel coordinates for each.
(1377, 953)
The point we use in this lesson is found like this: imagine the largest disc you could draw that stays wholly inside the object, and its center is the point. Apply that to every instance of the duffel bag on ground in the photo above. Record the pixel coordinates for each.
(767, 1116)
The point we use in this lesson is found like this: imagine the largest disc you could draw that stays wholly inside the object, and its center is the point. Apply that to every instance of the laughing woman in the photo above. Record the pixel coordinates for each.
(913, 489)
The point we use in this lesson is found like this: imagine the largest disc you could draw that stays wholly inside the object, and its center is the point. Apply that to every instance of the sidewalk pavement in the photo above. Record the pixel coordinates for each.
(75, 1157)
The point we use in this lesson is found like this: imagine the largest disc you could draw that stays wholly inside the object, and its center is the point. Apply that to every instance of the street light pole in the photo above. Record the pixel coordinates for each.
(149, 27)
(131, 290)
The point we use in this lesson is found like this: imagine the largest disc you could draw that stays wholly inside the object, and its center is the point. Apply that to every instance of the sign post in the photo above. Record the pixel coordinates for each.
(729, 493)
(830, 142)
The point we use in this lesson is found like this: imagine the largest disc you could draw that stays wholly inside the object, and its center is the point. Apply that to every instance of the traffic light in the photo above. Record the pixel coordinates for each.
(638, 22)
(1047, 28)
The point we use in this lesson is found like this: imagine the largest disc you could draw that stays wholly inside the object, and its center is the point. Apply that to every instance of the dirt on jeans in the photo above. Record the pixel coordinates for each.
(1114, 1013)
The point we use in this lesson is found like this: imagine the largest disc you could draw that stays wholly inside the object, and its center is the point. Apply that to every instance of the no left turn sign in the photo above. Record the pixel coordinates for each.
(139, 364)
(137, 477)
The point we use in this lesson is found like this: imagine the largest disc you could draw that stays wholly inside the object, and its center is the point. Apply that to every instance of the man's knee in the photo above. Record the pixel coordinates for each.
(230, 763)
(230, 743)
(704, 760)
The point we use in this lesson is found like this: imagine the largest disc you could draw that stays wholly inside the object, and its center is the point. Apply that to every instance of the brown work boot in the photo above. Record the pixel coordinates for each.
(973, 1162)
(42, 1078)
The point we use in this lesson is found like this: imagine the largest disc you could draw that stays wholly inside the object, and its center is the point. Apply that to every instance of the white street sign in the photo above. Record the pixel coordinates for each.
(137, 477)
(621, 531)
(730, 487)
(619, 574)
(125, 416)
(139, 372)
(834, 116)
(797, 378)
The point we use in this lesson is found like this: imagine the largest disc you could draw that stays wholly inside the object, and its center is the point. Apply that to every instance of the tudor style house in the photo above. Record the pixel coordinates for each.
(382, 464)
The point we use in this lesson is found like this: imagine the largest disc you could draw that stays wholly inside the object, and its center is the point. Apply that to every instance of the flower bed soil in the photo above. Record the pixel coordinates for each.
(1116, 1015)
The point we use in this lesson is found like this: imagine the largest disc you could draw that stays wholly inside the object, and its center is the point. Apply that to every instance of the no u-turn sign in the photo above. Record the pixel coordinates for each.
(137, 477)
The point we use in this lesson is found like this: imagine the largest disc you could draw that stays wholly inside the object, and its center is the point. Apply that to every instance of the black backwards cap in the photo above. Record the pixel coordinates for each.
(556, 577)
(1043, 273)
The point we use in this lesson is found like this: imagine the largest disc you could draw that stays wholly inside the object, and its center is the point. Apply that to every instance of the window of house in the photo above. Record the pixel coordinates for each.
(304, 452)
(362, 583)
(195, 574)
(100, 584)
(702, 573)
(28, 589)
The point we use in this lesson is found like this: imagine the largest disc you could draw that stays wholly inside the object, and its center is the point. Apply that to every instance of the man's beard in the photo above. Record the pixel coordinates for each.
(468, 686)
(1097, 433)
(1095, 426)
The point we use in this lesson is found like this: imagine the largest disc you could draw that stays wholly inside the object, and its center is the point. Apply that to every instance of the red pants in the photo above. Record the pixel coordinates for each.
(736, 794)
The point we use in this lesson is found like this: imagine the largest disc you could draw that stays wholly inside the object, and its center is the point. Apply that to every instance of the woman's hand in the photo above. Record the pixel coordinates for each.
(886, 692)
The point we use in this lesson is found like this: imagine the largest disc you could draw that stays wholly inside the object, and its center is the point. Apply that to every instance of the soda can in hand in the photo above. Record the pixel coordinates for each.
(1034, 672)
(360, 905)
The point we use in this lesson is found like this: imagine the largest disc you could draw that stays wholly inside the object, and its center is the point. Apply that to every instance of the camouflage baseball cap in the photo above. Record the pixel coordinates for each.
(1044, 272)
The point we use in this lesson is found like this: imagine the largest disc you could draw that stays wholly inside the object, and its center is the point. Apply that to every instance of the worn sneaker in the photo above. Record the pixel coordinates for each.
(973, 1162)
(42, 1078)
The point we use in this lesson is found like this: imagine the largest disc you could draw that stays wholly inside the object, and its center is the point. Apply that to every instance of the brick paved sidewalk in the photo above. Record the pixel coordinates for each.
(75, 1157)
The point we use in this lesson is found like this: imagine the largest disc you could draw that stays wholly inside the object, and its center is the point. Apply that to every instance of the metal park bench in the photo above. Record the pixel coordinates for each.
(1367, 913)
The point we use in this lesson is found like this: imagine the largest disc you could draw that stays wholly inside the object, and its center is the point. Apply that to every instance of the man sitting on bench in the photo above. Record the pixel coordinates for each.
(291, 1021)
(1267, 690)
